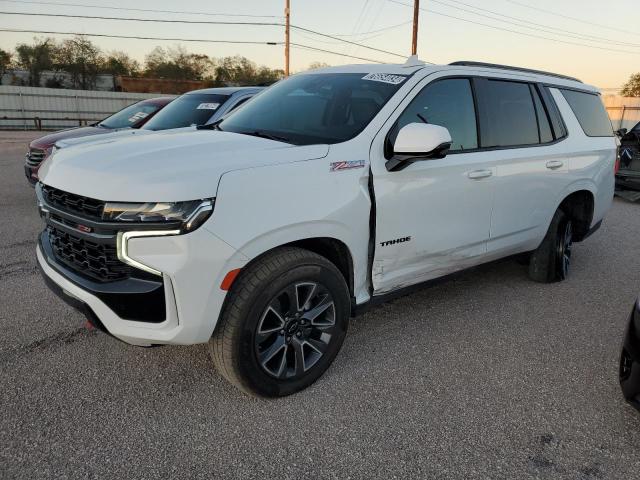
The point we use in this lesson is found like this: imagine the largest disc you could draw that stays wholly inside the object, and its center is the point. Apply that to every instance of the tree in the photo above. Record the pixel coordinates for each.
(177, 64)
(316, 65)
(119, 63)
(239, 70)
(5, 62)
(81, 59)
(36, 58)
(632, 87)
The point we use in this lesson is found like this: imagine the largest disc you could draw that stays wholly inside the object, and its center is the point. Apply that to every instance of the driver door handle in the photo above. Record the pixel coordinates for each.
(478, 174)
(553, 164)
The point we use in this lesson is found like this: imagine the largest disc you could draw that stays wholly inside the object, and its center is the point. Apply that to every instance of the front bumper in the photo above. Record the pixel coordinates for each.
(193, 267)
(32, 174)
(630, 360)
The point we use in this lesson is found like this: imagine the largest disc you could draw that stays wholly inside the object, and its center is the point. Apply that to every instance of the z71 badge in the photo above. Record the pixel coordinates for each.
(393, 242)
(347, 165)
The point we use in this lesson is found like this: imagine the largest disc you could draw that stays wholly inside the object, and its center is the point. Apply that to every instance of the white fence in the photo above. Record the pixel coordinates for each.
(623, 111)
(34, 108)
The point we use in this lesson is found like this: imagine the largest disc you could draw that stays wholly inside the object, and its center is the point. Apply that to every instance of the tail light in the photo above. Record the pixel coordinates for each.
(616, 167)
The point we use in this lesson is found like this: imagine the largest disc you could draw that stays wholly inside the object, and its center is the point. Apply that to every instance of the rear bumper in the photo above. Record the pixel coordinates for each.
(630, 360)
(628, 180)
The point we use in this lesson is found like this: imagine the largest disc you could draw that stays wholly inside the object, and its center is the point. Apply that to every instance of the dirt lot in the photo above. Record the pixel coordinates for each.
(485, 376)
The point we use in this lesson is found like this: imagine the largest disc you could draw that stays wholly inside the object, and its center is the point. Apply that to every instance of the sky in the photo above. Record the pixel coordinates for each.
(595, 40)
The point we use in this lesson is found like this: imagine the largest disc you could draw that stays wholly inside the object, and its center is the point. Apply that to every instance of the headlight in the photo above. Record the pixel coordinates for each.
(190, 214)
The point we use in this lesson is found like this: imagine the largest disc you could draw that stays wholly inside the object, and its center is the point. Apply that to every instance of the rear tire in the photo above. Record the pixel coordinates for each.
(550, 262)
(282, 324)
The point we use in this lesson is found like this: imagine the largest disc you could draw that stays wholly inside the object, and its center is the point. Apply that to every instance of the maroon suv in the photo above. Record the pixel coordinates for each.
(133, 116)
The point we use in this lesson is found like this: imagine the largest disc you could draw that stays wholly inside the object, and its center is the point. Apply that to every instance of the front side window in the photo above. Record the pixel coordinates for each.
(131, 116)
(590, 112)
(447, 103)
(315, 108)
(511, 114)
(187, 110)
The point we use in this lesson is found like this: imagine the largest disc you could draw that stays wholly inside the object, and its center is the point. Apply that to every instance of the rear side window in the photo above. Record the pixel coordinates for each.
(448, 103)
(543, 118)
(590, 112)
(511, 114)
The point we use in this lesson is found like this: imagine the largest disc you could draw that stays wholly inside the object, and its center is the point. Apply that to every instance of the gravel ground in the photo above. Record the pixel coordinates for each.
(485, 376)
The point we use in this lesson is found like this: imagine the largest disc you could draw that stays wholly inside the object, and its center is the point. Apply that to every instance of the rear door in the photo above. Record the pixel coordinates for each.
(433, 217)
(522, 132)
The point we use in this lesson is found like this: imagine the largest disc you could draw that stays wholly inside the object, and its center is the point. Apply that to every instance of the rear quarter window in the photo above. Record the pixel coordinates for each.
(590, 112)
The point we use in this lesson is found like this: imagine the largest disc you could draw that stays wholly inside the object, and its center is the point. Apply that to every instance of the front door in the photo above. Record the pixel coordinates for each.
(433, 217)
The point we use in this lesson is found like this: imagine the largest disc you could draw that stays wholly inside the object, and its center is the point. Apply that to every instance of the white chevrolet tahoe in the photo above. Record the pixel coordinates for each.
(332, 190)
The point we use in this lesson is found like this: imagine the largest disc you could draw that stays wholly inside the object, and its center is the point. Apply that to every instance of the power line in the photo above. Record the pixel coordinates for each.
(550, 12)
(383, 29)
(147, 20)
(557, 40)
(84, 5)
(200, 22)
(137, 37)
(545, 28)
(172, 39)
(307, 47)
(347, 41)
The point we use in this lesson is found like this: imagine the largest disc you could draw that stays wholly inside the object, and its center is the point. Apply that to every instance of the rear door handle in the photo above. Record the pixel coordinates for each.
(478, 174)
(553, 164)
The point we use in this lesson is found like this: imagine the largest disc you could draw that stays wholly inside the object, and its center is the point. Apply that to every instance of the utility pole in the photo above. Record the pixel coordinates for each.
(287, 16)
(414, 41)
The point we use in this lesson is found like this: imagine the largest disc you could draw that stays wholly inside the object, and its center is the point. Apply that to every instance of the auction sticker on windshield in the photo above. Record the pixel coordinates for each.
(208, 106)
(138, 116)
(385, 78)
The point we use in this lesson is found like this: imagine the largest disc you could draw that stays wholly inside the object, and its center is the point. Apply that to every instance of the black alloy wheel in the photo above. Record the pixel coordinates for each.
(295, 330)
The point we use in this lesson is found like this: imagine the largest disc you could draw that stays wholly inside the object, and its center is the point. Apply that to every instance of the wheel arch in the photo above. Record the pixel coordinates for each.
(579, 205)
(331, 248)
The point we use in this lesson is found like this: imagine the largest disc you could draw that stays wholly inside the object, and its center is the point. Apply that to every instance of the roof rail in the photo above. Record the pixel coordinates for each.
(517, 69)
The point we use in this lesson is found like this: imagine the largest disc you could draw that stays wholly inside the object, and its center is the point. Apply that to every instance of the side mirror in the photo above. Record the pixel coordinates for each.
(419, 141)
(622, 132)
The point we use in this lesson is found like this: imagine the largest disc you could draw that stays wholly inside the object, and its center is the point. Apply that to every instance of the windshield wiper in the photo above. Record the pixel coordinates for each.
(211, 126)
(270, 136)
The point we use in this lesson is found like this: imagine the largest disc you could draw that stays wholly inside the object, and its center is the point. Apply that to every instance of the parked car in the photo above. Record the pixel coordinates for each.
(628, 176)
(330, 192)
(131, 117)
(196, 108)
(630, 359)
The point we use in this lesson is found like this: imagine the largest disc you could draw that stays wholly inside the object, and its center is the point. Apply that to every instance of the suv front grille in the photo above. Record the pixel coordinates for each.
(35, 157)
(96, 260)
(75, 204)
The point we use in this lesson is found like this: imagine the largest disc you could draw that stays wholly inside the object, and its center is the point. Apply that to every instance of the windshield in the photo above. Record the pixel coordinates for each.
(130, 116)
(315, 108)
(189, 109)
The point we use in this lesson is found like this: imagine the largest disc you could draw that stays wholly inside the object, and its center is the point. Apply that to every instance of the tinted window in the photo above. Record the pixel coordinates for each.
(543, 119)
(130, 116)
(238, 104)
(590, 112)
(511, 114)
(189, 109)
(448, 103)
(315, 108)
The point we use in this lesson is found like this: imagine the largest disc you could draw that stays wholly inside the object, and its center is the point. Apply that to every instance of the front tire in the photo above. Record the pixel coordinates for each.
(550, 262)
(283, 323)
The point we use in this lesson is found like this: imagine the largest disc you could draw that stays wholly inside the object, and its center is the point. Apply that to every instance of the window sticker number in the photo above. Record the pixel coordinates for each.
(385, 78)
(137, 117)
(208, 106)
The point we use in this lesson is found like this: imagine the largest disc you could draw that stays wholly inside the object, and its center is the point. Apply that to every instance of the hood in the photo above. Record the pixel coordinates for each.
(107, 136)
(117, 134)
(163, 167)
(49, 140)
